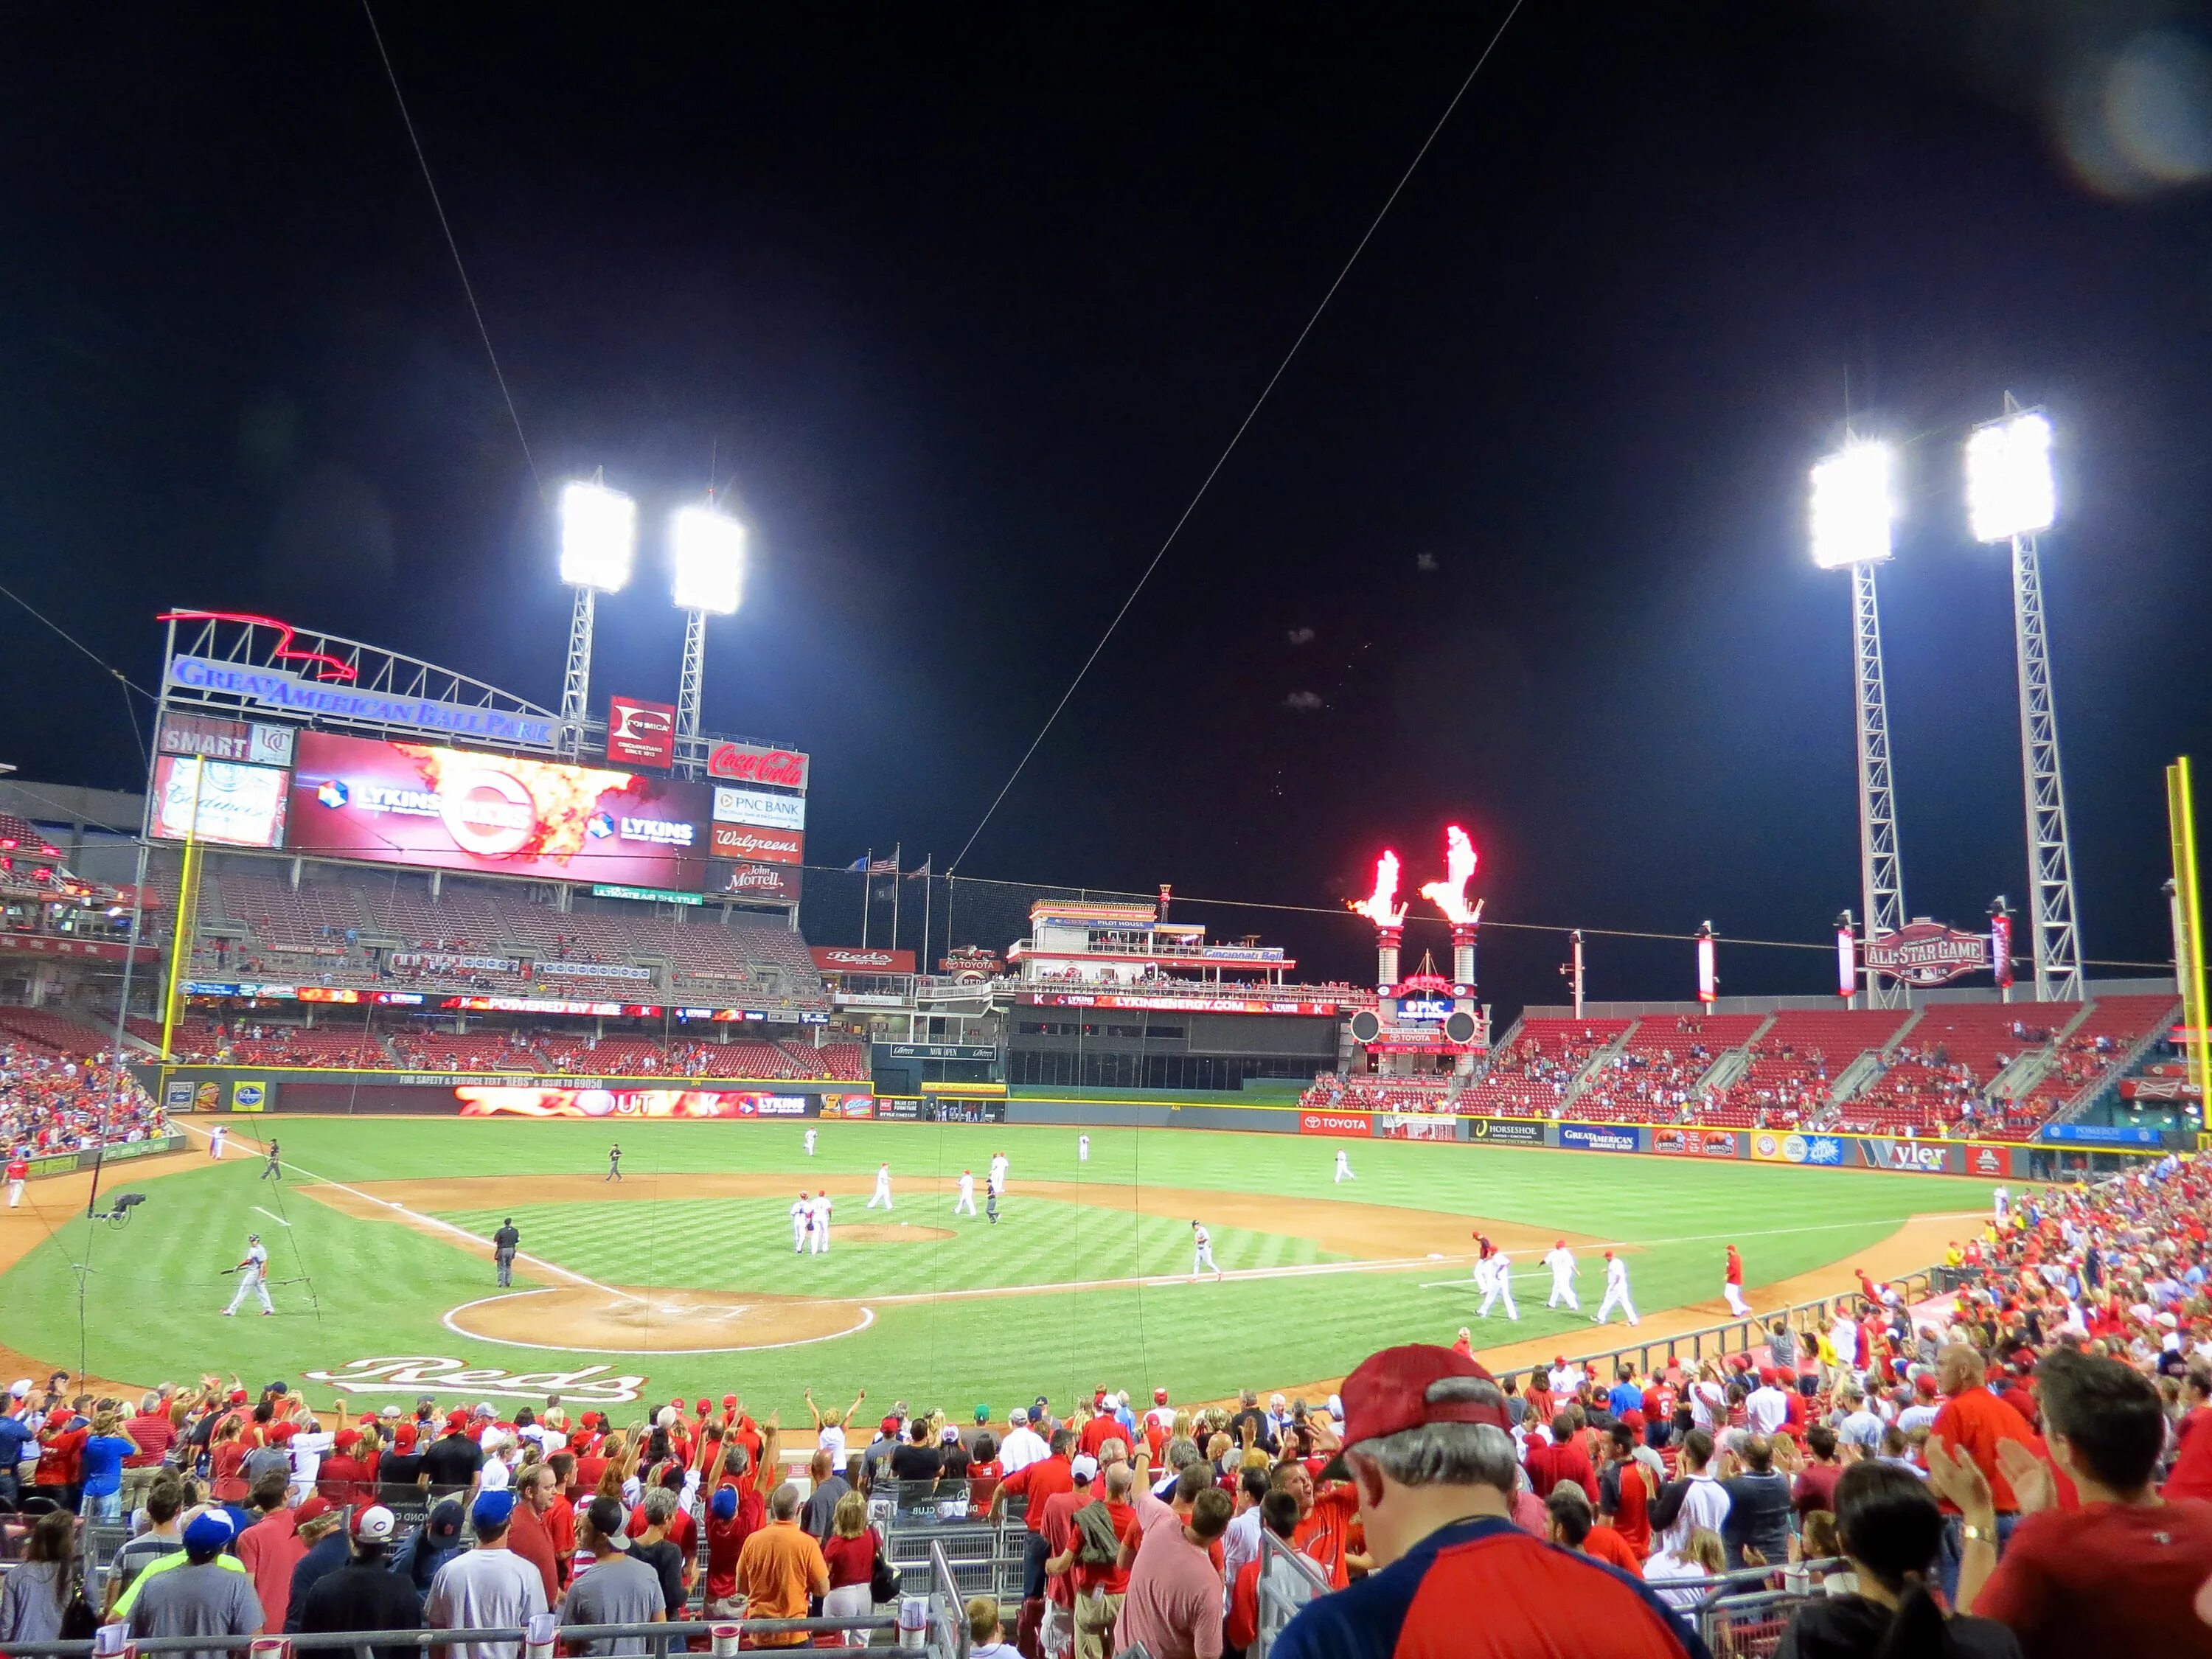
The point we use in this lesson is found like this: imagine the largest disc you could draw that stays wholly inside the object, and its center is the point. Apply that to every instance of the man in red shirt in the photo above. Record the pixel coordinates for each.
(2192, 1475)
(1326, 1521)
(1624, 1494)
(154, 1434)
(342, 1477)
(1561, 1460)
(61, 1453)
(1059, 1533)
(1976, 1423)
(1037, 1482)
(2119, 1575)
(1279, 1514)
(737, 1509)
(1103, 1426)
(1100, 1586)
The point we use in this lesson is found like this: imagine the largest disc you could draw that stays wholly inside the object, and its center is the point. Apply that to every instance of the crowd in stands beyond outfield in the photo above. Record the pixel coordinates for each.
(1968, 1071)
(2023, 1468)
(54, 1102)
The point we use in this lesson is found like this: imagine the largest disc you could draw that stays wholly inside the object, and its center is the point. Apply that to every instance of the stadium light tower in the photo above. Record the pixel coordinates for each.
(709, 551)
(2010, 496)
(1853, 509)
(598, 540)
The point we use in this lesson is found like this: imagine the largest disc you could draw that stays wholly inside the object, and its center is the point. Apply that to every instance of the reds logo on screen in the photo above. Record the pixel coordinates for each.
(642, 734)
(749, 762)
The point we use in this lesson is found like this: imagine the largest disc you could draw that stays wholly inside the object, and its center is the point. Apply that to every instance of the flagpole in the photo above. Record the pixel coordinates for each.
(867, 882)
(898, 847)
(921, 962)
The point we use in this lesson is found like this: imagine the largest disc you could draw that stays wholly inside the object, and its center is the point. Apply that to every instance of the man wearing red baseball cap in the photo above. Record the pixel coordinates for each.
(1427, 1444)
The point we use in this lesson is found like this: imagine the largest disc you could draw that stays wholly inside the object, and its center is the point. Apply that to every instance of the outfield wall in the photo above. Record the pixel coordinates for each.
(2065, 1148)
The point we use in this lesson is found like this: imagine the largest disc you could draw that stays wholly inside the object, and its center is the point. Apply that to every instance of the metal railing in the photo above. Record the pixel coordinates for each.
(1288, 1580)
(660, 1640)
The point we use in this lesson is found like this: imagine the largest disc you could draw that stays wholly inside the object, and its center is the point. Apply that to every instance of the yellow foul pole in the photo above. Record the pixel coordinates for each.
(180, 939)
(2189, 922)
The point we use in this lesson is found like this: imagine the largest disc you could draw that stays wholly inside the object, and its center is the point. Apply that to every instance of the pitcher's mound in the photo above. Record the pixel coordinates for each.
(888, 1232)
(633, 1319)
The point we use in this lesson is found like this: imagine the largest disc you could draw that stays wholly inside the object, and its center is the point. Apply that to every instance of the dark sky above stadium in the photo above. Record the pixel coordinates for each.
(968, 301)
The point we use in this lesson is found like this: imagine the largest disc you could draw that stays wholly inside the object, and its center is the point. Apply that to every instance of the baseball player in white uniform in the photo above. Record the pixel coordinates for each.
(1083, 1149)
(997, 1181)
(1494, 1273)
(217, 1136)
(253, 1271)
(2003, 1201)
(965, 1204)
(802, 1217)
(810, 1143)
(1202, 1261)
(1561, 1262)
(1616, 1290)
(817, 1240)
(1344, 1165)
(883, 1194)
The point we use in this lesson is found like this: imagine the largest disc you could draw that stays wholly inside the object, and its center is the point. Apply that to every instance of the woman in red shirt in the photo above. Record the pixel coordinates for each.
(850, 1551)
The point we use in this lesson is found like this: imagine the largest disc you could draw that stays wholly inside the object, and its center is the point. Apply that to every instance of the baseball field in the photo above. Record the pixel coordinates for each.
(681, 1278)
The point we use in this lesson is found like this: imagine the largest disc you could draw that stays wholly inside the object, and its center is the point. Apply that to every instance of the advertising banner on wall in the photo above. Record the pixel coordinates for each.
(451, 809)
(751, 763)
(1336, 1123)
(1506, 1131)
(1914, 1157)
(496, 1101)
(1773, 1146)
(755, 845)
(238, 806)
(1695, 1143)
(277, 689)
(2102, 1134)
(640, 733)
(1599, 1137)
(254, 743)
(855, 959)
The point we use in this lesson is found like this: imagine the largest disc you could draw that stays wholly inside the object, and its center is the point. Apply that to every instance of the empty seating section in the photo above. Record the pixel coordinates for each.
(374, 931)
(2090, 1054)
(476, 1051)
(1530, 1076)
(42, 1030)
(1654, 1078)
(1795, 1062)
(1935, 1077)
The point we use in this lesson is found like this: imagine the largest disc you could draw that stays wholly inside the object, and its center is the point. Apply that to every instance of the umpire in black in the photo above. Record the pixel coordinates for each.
(503, 1245)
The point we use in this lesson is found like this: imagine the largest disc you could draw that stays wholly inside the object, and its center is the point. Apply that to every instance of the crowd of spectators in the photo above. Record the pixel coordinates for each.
(53, 1103)
(2019, 1467)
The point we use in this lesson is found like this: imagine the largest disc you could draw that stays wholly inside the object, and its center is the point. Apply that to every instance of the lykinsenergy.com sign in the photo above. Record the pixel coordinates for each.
(274, 689)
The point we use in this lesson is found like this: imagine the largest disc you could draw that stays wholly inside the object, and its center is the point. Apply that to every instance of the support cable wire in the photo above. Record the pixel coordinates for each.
(1242, 426)
(452, 246)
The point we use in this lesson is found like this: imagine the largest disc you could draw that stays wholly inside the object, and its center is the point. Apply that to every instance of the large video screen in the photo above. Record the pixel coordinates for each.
(238, 806)
(453, 809)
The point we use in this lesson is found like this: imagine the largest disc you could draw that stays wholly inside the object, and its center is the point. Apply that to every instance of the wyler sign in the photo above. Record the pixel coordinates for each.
(642, 734)
(1924, 952)
(751, 763)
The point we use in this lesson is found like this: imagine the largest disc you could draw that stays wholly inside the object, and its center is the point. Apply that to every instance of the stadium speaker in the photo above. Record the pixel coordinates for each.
(1367, 1026)
(1459, 1026)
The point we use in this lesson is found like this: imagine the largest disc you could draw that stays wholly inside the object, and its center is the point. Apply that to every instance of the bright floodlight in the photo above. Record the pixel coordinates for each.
(1852, 506)
(598, 536)
(710, 560)
(2009, 488)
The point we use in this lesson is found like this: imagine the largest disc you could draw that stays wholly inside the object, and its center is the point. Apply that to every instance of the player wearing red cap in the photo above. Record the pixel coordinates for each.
(1616, 1290)
(1429, 1449)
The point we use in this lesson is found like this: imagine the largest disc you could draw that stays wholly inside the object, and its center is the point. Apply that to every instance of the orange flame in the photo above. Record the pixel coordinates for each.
(1376, 906)
(1449, 894)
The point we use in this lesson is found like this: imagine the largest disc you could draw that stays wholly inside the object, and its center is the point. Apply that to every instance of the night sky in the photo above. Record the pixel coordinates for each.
(966, 302)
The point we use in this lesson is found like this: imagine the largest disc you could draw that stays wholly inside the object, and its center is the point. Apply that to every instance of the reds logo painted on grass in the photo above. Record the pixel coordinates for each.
(419, 1373)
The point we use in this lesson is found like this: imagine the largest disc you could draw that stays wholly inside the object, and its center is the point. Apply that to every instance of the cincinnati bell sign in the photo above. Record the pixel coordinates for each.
(1924, 952)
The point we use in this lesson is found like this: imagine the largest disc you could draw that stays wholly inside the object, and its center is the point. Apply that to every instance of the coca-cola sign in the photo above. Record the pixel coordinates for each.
(1924, 952)
(755, 845)
(749, 762)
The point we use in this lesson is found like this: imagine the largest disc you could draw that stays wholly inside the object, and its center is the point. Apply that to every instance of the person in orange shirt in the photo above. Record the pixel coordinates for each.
(1574, 1527)
(780, 1567)
(1327, 1521)
(1974, 1423)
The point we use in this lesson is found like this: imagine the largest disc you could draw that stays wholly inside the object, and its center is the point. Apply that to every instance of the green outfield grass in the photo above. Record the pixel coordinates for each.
(152, 1299)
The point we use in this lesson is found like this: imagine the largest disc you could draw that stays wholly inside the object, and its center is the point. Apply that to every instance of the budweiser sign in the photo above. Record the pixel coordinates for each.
(1924, 952)
(756, 845)
(642, 734)
(748, 763)
(853, 959)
